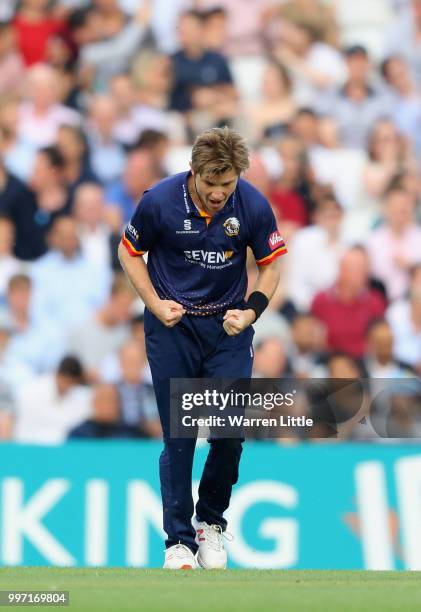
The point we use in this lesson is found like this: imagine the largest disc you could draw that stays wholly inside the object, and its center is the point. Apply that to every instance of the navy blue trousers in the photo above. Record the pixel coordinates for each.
(197, 347)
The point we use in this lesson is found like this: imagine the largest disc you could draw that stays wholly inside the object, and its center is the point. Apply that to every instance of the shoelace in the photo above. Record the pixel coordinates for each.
(215, 535)
(180, 551)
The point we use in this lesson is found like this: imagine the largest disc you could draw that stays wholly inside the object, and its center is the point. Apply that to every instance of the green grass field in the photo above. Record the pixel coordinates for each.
(120, 590)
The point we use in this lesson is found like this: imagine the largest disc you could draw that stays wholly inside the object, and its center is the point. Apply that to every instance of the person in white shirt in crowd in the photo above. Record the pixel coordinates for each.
(404, 317)
(341, 168)
(50, 406)
(152, 81)
(315, 66)
(41, 114)
(104, 332)
(17, 152)
(403, 37)
(67, 286)
(314, 254)
(13, 372)
(395, 247)
(106, 153)
(359, 103)
(95, 234)
(406, 94)
(127, 128)
(119, 40)
(29, 338)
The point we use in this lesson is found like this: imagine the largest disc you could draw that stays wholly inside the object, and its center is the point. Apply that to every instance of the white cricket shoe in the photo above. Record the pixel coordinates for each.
(211, 553)
(179, 556)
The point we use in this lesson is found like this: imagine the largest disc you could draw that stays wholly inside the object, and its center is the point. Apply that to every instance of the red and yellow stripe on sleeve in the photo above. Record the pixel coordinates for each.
(132, 251)
(281, 250)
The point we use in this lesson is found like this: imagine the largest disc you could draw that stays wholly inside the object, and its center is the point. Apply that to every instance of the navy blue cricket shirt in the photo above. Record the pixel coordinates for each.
(195, 260)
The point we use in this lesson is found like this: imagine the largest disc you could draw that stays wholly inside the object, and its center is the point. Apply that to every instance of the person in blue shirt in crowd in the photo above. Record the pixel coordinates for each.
(196, 227)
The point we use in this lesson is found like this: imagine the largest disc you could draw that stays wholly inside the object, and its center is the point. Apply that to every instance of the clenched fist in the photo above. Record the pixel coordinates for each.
(168, 312)
(235, 321)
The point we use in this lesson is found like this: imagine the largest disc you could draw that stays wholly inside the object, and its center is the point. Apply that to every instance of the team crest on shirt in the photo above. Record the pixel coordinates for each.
(232, 227)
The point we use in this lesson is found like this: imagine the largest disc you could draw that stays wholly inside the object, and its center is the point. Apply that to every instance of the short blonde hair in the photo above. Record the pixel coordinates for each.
(220, 150)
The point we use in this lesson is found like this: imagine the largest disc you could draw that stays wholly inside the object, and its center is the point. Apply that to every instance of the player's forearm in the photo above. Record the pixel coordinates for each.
(268, 279)
(138, 275)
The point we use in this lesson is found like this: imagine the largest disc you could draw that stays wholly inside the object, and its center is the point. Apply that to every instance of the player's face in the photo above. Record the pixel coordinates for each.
(215, 190)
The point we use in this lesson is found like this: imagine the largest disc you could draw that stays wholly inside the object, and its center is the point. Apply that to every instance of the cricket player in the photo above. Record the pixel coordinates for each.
(196, 227)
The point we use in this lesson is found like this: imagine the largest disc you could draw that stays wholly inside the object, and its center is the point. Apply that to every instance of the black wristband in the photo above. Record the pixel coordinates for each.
(258, 302)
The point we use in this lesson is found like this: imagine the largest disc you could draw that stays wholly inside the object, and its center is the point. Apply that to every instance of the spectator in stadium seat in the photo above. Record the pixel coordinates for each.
(18, 154)
(157, 144)
(84, 25)
(34, 24)
(389, 156)
(33, 212)
(257, 174)
(127, 128)
(244, 36)
(41, 114)
(105, 420)
(152, 79)
(346, 410)
(13, 373)
(50, 406)
(357, 105)
(104, 331)
(338, 167)
(73, 146)
(317, 247)
(348, 308)
(270, 359)
(9, 264)
(139, 411)
(406, 97)
(315, 66)
(18, 203)
(403, 37)
(202, 78)
(290, 195)
(305, 126)
(306, 351)
(395, 247)
(107, 155)
(379, 361)
(67, 287)
(404, 317)
(215, 28)
(51, 200)
(96, 237)
(30, 337)
(268, 119)
(139, 174)
(119, 40)
(11, 64)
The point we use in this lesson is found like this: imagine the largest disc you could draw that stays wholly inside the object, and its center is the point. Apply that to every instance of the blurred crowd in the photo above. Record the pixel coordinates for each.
(101, 99)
